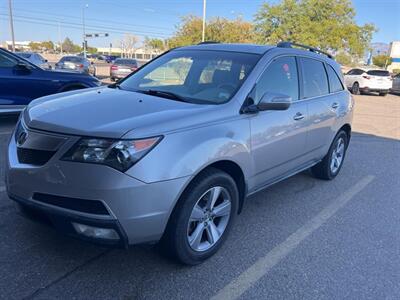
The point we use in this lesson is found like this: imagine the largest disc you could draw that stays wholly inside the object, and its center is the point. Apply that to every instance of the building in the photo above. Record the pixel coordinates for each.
(19, 45)
(394, 53)
(137, 53)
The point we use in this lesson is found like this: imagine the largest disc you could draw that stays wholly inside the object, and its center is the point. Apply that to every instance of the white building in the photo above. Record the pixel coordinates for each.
(19, 45)
(394, 53)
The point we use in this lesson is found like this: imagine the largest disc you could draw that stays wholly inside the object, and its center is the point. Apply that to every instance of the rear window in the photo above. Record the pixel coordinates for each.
(378, 73)
(71, 59)
(315, 82)
(335, 84)
(125, 62)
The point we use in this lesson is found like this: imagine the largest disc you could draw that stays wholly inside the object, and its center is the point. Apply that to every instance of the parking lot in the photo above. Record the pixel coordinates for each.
(302, 238)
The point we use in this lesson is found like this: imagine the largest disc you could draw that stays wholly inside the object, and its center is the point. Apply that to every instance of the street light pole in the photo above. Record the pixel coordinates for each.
(204, 20)
(11, 25)
(84, 30)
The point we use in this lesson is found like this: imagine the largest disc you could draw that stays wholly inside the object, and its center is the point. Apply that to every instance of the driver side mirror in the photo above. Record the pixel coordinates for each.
(274, 101)
(21, 67)
(270, 101)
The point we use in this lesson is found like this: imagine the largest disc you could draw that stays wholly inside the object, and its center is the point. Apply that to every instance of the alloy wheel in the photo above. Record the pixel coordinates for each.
(337, 155)
(209, 219)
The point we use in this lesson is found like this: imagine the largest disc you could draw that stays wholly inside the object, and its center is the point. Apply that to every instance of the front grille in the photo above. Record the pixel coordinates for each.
(34, 157)
(82, 205)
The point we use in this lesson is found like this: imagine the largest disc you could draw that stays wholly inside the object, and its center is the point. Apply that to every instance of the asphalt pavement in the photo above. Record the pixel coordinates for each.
(302, 238)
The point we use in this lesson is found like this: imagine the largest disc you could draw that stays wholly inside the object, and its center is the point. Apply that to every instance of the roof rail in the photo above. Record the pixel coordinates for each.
(312, 49)
(208, 42)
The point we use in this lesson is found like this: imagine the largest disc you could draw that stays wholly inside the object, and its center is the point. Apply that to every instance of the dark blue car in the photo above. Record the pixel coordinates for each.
(22, 81)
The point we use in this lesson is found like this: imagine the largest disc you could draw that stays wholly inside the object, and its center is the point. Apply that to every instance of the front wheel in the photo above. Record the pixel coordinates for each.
(331, 164)
(355, 89)
(202, 218)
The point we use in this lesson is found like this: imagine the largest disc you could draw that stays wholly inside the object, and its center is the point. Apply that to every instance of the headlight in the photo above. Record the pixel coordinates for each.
(120, 155)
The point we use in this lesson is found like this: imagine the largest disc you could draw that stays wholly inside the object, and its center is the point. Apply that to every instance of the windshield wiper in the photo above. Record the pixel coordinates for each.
(164, 94)
(115, 86)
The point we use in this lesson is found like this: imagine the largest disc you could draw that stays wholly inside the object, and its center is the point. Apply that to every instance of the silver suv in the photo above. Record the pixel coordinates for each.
(171, 152)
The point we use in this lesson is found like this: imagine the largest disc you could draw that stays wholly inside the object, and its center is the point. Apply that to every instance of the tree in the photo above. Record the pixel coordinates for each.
(343, 59)
(35, 46)
(156, 44)
(91, 50)
(47, 45)
(382, 60)
(326, 24)
(189, 32)
(128, 45)
(69, 46)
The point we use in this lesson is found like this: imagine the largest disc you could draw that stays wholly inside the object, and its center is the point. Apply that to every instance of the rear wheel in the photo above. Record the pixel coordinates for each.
(355, 89)
(383, 94)
(331, 164)
(203, 217)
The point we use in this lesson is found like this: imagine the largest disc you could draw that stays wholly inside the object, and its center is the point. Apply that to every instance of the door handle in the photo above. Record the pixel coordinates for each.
(298, 116)
(335, 105)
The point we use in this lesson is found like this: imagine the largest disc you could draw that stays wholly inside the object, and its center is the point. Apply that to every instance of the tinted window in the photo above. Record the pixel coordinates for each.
(6, 61)
(72, 59)
(119, 61)
(378, 73)
(315, 82)
(335, 84)
(358, 72)
(279, 77)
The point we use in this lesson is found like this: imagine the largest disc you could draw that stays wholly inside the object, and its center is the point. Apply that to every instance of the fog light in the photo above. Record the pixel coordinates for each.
(96, 232)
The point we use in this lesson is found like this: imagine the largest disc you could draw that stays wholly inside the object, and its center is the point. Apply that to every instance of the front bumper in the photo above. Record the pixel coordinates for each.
(138, 211)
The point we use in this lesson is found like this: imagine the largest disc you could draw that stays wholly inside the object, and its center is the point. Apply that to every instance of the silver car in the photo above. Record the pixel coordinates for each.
(35, 58)
(171, 152)
(76, 64)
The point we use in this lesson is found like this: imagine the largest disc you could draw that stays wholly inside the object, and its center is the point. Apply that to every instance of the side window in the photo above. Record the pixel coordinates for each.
(351, 72)
(335, 85)
(279, 77)
(358, 72)
(315, 82)
(6, 62)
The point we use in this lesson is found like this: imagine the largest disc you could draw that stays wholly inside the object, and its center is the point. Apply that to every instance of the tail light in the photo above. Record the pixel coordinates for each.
(366, 77)
(80, 66)
(114, 67)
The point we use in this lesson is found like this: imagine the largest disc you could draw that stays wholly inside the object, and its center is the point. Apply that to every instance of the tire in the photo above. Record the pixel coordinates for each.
(355, 89)
(179, 240)
(112, 79)
(326, 168)
(383, 94)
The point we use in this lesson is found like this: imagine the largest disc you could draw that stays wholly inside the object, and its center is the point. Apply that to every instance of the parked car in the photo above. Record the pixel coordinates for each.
(396, 84)
(360, 81)
(76, 64)
(35, 58)
(21, 82)
(171, 152)
(110, 58)
(122, 67)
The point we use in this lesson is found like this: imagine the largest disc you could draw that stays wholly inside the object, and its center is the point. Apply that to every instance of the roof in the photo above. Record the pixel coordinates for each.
(248, 48)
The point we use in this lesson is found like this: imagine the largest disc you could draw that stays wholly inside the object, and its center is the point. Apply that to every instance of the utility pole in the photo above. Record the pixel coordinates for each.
(11, 25)
(59, 37)
(204, 21)
(84, 30)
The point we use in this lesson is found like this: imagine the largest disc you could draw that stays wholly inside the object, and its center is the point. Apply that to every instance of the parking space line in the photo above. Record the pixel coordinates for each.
(262, 266)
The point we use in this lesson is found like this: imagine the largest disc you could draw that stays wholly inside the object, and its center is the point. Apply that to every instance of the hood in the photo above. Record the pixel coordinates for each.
(106, 112)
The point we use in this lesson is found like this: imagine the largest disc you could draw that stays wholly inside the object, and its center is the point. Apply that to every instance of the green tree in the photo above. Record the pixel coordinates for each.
(69, 46)
(343, 59)
(48, 45)
(189, 32)
(35, 46)
(327, 24)
(156, 44)
(382, 60)
(91, 50)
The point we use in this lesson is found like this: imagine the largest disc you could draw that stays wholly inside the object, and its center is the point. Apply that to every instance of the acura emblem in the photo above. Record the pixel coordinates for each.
(22, 138)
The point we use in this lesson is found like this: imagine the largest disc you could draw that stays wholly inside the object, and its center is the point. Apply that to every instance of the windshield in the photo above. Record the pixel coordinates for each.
(195, 76)
(378, 73)
(24, 55)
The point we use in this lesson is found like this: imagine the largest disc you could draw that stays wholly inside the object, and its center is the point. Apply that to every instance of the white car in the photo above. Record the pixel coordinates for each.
(359, 81)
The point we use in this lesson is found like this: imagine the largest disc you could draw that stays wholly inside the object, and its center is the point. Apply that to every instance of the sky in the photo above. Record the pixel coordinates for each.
(39, 20)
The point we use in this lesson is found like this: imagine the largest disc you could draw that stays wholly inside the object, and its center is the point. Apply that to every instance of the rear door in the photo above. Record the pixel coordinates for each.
(278, 138)
(323, 105)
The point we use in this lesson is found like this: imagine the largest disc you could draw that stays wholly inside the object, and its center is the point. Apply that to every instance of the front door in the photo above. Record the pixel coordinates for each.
(278, 138)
